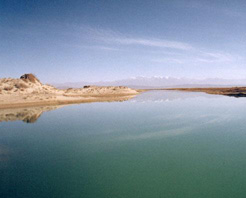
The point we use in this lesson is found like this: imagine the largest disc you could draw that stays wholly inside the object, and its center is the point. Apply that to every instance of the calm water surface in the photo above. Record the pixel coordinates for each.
(159, 144)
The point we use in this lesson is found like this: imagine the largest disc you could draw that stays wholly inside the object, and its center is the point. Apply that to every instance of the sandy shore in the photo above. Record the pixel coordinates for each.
(30, 92)
(76, 100)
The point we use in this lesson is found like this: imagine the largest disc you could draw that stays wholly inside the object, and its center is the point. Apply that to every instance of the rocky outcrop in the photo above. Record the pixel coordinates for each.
(30, 77)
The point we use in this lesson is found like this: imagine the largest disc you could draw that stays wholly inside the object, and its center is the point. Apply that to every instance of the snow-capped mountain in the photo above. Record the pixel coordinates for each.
(159, 82)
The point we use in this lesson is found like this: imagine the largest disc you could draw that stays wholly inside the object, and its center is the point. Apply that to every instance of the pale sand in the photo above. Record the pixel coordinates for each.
(16, 93)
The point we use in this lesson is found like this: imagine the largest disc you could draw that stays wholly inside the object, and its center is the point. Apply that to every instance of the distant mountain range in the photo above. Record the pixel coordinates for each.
(159, 82)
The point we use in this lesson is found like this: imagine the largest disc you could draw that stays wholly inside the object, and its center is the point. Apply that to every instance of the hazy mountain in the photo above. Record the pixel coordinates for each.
(159, 82)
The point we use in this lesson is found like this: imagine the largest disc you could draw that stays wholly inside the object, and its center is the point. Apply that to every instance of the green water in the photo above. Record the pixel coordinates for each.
(160, 144)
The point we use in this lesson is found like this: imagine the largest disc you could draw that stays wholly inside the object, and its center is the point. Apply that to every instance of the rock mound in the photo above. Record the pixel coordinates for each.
(30, 77)
(26, 84)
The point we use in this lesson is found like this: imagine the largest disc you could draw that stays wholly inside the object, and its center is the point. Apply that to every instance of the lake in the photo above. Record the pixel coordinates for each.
(159, 144)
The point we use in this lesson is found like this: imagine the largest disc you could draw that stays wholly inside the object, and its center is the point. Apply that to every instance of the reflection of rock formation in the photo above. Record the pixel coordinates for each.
(31, 114)
(28, 115)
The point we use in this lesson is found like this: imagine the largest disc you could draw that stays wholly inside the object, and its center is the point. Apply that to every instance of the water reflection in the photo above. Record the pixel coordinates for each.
(32, 114)
(104, 149)
(166, 96)
(27, 115)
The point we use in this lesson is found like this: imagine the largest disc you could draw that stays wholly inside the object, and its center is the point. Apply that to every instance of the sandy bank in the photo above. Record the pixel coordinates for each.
(28, 91)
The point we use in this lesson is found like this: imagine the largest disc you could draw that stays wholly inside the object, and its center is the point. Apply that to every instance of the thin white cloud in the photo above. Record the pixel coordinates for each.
(114, 37)
(94, 47)
(98, 47)
(169, 51)
(169, 60)
(198, 56)
(217, 57)
(152, 43)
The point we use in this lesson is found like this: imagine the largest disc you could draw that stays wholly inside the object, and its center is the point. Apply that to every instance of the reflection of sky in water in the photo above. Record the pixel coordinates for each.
(140, 114)
(125, 144)
(184, 113)
(166, 96)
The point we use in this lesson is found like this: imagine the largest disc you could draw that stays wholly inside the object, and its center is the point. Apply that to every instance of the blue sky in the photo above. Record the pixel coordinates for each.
(69, 41)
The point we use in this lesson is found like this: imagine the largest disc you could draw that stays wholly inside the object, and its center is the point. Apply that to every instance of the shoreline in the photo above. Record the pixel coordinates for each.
(69, 100)
(225, 91)
(80, 99)
(28, 91)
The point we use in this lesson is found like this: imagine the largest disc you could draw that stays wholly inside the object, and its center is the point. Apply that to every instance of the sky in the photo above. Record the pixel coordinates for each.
(106, 40)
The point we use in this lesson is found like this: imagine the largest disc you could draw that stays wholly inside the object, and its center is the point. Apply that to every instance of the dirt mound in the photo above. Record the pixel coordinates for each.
(30, 77)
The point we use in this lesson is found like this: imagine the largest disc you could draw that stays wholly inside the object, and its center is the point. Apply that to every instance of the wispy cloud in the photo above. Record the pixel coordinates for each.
(113, 37)
(93, 47)
(169, 60)
(161, 50)
(217, 57)
(152, 43)
(198, 56)
(98, 47)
